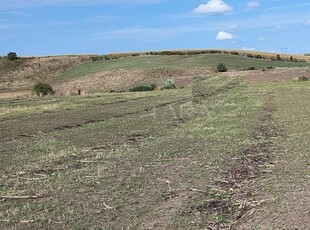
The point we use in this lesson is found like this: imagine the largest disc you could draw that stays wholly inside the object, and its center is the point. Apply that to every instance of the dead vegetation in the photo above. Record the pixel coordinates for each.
(124, 79)
(22, 73)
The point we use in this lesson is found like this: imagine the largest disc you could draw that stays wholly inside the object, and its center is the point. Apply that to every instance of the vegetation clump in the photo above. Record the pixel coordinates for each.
(221, 67)
(141, 88)
(303, 78)
(97, 58)
(169, 84)
(12, 56)
(43, 89)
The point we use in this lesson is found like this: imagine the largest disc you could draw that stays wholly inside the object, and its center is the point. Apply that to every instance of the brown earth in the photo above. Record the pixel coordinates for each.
(274, 75)
(124, 79)
(22, 74)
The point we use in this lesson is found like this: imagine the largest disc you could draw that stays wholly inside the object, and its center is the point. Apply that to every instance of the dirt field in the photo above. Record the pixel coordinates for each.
(227, 151)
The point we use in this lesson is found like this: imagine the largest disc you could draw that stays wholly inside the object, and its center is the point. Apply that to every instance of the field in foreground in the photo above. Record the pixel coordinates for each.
(220, 154)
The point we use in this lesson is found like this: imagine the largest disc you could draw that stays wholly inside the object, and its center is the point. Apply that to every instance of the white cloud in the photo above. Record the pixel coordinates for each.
(213, 7)
(262, 38)
(252, 5)
(224, 36)
(248, 49)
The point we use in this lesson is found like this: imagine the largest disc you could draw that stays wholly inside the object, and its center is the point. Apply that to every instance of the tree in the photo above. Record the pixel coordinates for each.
(12, 56)
(221, 67)
(43, 89)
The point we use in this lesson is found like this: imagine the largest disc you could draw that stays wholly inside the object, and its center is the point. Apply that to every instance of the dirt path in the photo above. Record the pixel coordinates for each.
(287, 189)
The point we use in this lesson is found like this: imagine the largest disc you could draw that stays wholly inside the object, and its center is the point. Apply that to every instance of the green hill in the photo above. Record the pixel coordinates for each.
(175, 61)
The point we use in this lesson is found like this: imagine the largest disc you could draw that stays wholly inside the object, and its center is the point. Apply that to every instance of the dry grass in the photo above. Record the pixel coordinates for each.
(24, 72)
(124, 79)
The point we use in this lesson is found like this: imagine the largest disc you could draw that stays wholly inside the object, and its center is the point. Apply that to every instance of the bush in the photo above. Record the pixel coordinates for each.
(303, 78)
(169, 84)
(42, 89)
(270, 67)
(251, 68)
(258, 56)
(97, 58)
(12, 56)
(141, 88)
(221, 67)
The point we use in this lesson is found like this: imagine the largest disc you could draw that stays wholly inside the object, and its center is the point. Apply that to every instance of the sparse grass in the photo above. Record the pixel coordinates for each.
(286, 186)
(132, 160)
(123, 158)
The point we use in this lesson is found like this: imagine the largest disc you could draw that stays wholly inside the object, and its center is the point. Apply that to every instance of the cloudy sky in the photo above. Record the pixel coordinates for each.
(49, 27)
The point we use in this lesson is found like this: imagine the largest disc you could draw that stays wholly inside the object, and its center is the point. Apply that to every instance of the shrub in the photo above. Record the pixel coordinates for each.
(303, 78)
(291, 58)
(221, 67)
(251, 68)
(12, 56)
(270, 67)
(43, 89)
(278, 58)
(258, 56)
(141, 88)
(97, 58)
(169, 84)
(234, 53)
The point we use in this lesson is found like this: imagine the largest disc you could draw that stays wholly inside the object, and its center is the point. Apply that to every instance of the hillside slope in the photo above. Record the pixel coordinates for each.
(22, 73)
(119, 72)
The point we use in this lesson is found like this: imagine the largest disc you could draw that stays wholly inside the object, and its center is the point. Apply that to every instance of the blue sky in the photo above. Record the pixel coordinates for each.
(50, 27)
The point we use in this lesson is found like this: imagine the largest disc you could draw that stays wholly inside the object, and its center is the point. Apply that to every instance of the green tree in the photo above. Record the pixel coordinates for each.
(221, 67)
(42, 89)
(12, 56)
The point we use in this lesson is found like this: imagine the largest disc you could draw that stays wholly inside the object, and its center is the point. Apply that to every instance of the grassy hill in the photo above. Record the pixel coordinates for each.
(93, 74)
(175, 61)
